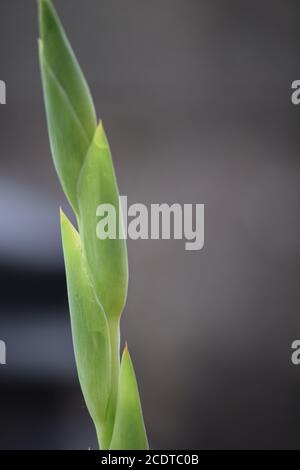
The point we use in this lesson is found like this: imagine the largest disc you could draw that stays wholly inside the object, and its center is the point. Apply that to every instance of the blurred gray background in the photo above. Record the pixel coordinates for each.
(195, 97)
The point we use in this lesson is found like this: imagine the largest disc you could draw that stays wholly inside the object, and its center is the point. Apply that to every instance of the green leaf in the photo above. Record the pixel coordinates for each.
(106, 258)
(89, 327)
(96, 269)
(129, 429)
(69, 106)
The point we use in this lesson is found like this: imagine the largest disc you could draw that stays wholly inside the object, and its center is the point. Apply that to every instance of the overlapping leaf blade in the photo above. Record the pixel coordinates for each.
(89, 327)
(129, 429)
(69, 106)
(96, 269)
(107, 259)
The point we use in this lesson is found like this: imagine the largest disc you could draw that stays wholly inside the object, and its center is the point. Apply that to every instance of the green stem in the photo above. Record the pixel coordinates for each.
(104, 433)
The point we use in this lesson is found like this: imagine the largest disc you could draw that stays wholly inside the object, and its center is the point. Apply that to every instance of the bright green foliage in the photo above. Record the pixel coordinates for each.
(70, 110)
(96, 270)
(89, 326)
(129, 430)
(97, 182)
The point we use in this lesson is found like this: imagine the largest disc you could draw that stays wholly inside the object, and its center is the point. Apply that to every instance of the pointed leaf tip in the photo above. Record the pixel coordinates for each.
(126, 348)
(70, 110)
(100, 138)
(89, 326)
(129, 429)
(46, 12)
(98, 185)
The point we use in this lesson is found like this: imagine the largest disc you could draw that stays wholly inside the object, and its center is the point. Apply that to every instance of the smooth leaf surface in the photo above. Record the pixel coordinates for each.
(96, 269)
(129, 429)
(107, 259)
(89, 327)
(69, 106)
